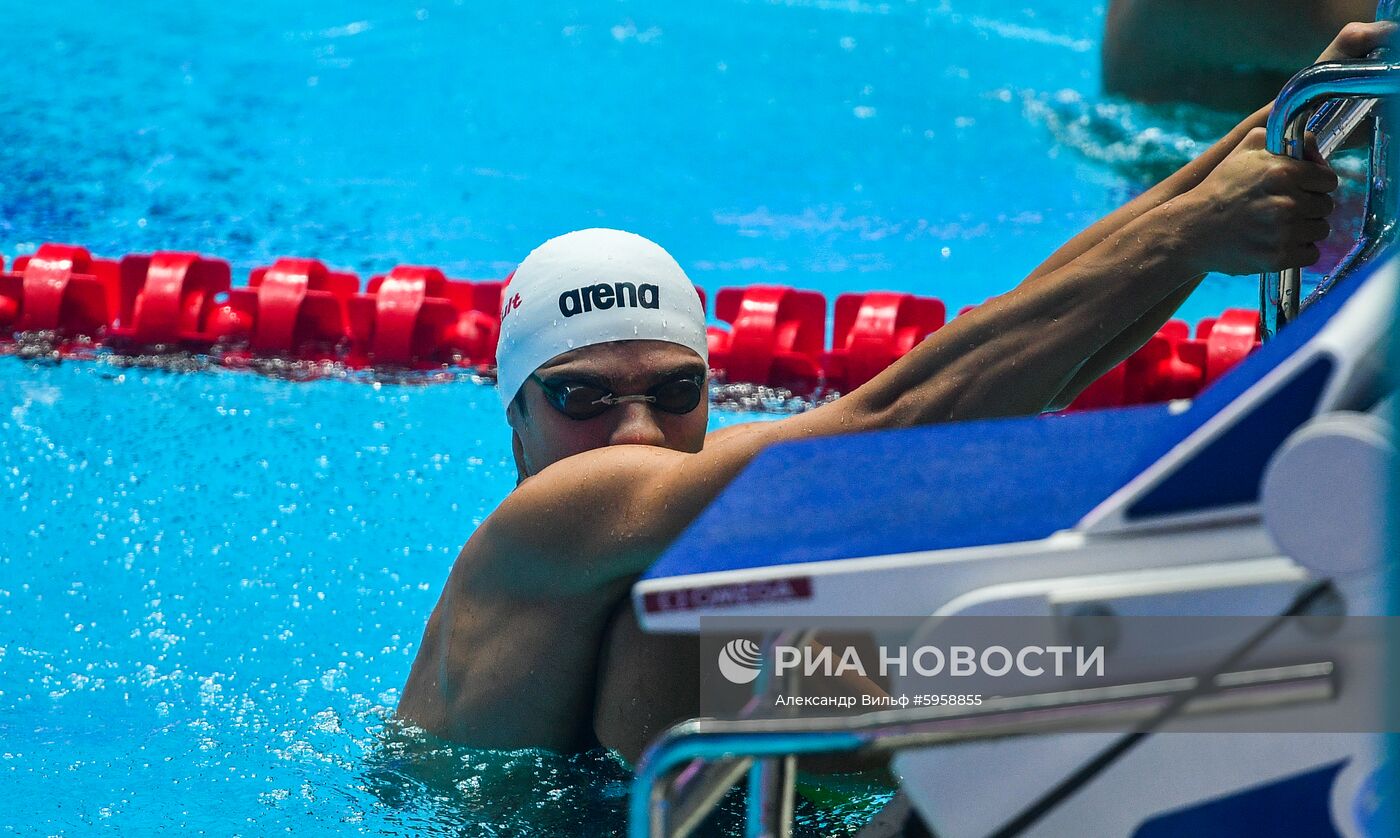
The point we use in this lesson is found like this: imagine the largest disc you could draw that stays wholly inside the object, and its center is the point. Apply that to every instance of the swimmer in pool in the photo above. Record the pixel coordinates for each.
(602, 369)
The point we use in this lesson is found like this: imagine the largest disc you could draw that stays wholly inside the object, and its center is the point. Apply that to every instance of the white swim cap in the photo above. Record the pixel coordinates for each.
(593, 286)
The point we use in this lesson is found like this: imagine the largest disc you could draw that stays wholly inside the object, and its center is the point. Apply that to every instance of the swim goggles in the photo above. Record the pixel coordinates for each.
(580, 400)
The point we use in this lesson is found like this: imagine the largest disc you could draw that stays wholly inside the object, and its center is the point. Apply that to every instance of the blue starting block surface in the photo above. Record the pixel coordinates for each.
(999, 481)
(925, 488)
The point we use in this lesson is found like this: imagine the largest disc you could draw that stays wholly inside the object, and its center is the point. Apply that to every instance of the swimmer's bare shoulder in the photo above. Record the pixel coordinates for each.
(507, 654)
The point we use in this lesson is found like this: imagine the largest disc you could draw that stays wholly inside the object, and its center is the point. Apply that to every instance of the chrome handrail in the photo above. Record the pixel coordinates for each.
(1359, 83)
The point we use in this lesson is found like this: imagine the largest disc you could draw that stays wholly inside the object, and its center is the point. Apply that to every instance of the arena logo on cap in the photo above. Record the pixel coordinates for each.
(605, 296)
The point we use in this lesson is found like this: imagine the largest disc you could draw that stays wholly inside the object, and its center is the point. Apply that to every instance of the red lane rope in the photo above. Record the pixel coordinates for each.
(415, 317)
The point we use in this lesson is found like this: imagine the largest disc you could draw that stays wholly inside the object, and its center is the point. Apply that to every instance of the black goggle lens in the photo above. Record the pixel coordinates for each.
(679, 395)
(581, 401)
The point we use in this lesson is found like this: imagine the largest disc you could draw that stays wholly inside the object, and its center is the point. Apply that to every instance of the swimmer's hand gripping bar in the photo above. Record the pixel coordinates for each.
(1358, 84)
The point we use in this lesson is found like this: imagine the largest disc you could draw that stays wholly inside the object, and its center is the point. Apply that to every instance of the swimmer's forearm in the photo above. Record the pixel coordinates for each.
(1118, 349)
(1180, 182)
(1013, 354)
(1137, 333)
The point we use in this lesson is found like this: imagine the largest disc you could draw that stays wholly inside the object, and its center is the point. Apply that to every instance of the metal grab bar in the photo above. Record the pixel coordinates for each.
(1362, 80)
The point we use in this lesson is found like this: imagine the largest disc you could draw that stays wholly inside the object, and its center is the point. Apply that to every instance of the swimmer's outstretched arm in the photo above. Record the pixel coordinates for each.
(1354, 41)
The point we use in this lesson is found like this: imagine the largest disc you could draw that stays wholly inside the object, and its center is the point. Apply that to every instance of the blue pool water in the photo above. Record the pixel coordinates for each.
(212, 584)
